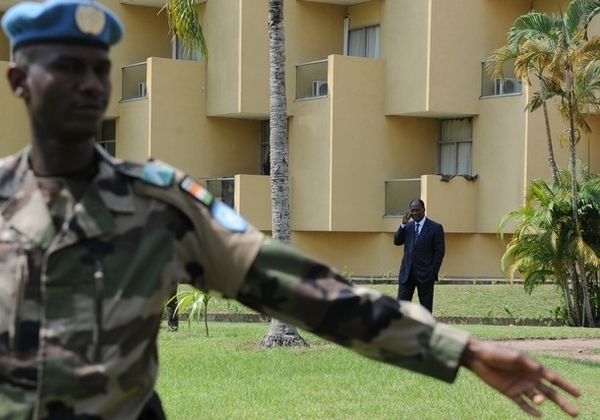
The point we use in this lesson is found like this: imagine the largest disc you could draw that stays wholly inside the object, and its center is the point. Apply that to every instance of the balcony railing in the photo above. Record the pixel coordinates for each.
(311, 80)
(222, 189)
(399, 193)
(133, 81)
(509, 85)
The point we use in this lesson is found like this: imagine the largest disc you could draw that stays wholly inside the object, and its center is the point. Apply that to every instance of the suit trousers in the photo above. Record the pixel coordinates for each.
(424, 289)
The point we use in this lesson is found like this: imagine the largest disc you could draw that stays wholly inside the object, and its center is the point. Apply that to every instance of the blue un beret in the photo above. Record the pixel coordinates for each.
(64, 21)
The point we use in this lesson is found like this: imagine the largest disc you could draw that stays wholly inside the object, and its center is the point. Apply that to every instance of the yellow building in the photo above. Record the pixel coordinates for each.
(383, 97)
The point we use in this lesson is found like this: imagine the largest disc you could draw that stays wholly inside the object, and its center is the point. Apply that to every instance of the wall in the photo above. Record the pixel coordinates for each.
(452, 203)
(181, 135)
(499, 157)
(254, 56)
(133, 124)
(253, 199)
(4, 45)
(13, 118)
(365, 14)
(368, 253)
(405, 48)
(222, 31)
(357, 143)
(310, 164)
(146, 35)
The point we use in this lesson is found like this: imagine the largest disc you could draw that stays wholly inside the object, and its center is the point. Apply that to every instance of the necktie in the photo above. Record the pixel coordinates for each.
(416, 231)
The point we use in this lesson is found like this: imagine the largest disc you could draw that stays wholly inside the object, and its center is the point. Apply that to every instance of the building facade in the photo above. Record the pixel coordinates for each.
(388, 100)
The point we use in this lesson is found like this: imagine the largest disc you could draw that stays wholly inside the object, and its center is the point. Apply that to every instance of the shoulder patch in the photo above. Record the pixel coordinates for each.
(157, 174)
(228, 217)
(196, 190)
(132, 169)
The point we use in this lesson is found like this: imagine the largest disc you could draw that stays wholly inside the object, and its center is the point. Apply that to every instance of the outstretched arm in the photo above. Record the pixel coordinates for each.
(296, 289)
(518, 376)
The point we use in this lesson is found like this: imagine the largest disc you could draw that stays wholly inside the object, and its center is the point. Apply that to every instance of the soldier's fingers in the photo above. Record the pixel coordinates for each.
(525, 406)
(560, 382)
(558, 399)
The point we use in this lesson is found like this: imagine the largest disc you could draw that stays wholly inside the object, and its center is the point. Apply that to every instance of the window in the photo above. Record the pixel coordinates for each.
(265, 150)
(181, 52)
(107, 136)
(455, 140)
(364, 42)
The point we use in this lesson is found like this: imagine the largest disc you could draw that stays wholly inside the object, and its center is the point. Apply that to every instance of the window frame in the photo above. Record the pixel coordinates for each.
(367, 41)
(462, 139)
(106, 136)
(180, 52)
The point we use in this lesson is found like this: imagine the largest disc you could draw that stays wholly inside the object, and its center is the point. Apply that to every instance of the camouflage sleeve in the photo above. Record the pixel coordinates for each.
(291, 287)
(214, 247)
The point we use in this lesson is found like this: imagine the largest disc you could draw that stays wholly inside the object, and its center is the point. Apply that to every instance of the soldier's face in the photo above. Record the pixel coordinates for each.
(66, 89)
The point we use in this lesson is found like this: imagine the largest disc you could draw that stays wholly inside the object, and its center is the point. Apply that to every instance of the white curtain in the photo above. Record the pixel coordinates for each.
(364, 42)
(455, 146)
(356, 42)
(372, 43)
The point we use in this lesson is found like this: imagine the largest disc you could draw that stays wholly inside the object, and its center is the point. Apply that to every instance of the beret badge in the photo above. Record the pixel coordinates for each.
(90, 20)
(81, 22)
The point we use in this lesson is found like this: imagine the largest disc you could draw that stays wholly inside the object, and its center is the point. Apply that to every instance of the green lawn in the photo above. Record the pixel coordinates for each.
(500, 300)
(226, 376)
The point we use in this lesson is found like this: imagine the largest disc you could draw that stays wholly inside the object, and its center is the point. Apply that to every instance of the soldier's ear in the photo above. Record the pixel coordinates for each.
(17, 78)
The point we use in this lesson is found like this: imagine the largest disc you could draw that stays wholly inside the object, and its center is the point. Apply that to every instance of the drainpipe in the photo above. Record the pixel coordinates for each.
(346, 26)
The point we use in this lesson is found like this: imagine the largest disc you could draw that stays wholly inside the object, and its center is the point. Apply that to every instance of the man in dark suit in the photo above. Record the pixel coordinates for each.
(424, 249)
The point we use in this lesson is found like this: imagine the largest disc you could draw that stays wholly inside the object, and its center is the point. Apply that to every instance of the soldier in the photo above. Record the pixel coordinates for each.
(92, 246)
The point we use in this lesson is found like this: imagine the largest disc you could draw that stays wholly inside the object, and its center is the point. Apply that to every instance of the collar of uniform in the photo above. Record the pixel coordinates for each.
(112, 188)
(116, 194)
(13, 170)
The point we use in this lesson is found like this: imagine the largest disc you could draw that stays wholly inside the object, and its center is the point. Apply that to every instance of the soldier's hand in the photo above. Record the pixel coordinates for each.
(518, 376)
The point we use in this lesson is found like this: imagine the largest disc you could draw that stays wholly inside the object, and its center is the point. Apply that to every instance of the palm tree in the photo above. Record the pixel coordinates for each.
(558, 51)
(545, 243)
(279, 334)
(531, 55)
(182, 17)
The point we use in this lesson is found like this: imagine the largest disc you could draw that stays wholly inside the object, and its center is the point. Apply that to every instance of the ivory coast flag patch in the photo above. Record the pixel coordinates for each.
(196, 190)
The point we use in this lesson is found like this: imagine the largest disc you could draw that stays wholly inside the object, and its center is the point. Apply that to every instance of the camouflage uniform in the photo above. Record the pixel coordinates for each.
(84, 283)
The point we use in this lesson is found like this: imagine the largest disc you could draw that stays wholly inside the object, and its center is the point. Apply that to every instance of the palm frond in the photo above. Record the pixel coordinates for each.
(183, 20)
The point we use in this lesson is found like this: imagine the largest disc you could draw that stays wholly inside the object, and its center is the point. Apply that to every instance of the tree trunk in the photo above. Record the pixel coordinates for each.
(279, 333)
(586, 305)
(551, 160)
(282, 335)
(576, 294)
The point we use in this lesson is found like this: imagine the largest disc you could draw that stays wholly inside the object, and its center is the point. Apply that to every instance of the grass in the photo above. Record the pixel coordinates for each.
(500, 300)
(226, 376)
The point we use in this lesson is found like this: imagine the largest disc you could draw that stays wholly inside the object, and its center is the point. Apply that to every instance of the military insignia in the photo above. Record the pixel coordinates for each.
(160, 175)
(8, 235)
(90, 20)
(228, 217)
(201, 194)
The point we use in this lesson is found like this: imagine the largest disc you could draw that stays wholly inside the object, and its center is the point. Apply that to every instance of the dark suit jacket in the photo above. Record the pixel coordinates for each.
(425, 257)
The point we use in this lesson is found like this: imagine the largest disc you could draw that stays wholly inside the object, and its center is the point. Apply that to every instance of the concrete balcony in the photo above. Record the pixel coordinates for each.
(252, 199)
(449, 201)
(437, 75)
